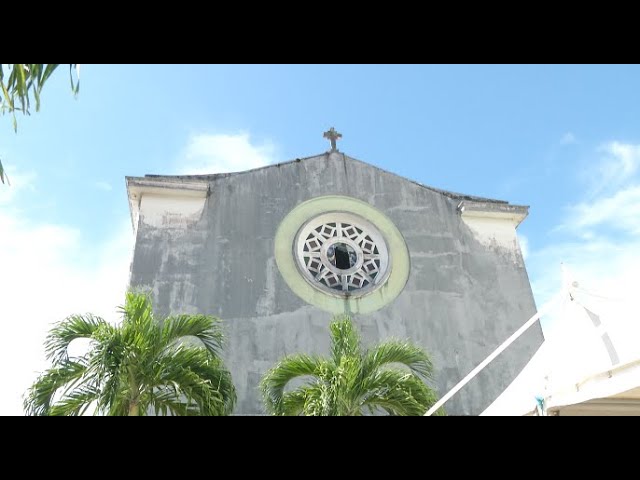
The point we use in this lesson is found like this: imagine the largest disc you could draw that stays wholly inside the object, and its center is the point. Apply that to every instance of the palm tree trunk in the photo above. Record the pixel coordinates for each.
(134, 406)
(134, 409)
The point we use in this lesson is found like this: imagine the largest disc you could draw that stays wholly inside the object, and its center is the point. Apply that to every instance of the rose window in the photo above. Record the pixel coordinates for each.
(342, 254)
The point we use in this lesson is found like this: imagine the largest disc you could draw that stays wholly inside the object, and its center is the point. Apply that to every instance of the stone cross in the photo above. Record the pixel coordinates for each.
(332, 135)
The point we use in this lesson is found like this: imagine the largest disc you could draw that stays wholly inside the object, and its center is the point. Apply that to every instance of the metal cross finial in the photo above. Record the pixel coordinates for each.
(332, 135)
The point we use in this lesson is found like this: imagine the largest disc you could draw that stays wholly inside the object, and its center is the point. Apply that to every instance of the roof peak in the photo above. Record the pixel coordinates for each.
(447, 193)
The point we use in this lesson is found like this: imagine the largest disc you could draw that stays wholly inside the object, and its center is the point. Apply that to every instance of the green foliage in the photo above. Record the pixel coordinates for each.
(21, 85)
(388, 377)
(141, 366)
(3, 174)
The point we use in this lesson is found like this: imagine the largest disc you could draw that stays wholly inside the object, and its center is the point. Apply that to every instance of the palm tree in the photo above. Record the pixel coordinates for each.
(352, 381)
(141, 366)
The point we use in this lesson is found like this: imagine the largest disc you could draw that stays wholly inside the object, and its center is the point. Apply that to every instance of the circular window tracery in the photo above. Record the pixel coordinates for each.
(342, 254)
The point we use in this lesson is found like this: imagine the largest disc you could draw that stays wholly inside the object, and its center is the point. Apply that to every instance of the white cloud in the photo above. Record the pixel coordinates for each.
(619, 164)
(220, 153)
(568, 139)
(104, 186)
(614, 204)
(620, 211)
(624, 157)
(599, 238)
(48, 272)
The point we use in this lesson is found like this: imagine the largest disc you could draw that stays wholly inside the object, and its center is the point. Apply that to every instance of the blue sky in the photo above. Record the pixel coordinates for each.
(563, 139)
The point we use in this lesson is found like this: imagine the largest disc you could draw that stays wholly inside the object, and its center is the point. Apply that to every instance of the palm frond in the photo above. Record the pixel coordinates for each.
(202, 327)
(137, 318)
(309, 400)
(3, 175)
(108, 362)
(293, 403)
(46, 73)
(275, 380)
(344, 385)
(39, 397)
(196, 376)
(23, 81)
(76, 402)
(345, 339)
(397, 352)
(137, 306)
(399, 393)
(166, 402)
(71, 328)
(26, 79)
(75, 83)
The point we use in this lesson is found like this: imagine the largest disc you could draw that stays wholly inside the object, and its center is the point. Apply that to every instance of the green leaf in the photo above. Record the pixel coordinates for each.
(49, 69)
(8, 97)
(75, 87)
(21, 86)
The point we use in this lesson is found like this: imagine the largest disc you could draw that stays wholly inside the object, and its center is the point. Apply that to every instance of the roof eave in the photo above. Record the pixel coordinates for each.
(514, 213)
(139, 186)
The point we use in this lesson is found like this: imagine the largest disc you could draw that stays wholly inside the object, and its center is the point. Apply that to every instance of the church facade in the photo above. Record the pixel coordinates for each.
(276, 252)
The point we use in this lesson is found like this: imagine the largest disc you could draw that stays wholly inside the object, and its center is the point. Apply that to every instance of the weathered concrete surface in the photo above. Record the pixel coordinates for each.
(464, 295)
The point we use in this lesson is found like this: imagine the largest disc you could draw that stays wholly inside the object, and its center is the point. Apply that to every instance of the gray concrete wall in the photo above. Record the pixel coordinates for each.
(462, 298)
